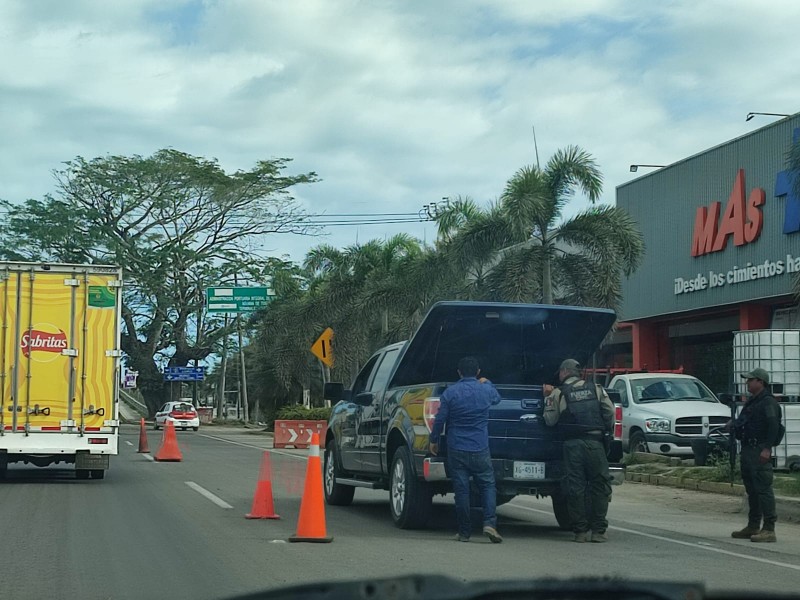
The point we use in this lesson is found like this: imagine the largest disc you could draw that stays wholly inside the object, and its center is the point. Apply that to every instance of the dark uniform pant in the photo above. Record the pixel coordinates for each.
(586, 475)
(757, 480)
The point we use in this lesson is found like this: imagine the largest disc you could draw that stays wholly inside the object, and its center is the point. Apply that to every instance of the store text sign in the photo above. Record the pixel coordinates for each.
(742, 219)
(736, 275)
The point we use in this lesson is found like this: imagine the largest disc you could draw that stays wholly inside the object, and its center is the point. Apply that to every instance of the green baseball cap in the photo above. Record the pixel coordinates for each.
(570, 363)
(757, 374)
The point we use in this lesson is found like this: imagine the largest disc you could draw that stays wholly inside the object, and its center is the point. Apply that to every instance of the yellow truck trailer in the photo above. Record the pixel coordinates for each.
(59, 365)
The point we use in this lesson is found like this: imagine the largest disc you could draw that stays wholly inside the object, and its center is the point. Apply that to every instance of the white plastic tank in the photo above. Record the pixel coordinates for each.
(775, 350)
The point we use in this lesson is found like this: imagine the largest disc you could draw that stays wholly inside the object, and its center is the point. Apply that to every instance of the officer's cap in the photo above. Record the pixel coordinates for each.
(570, 364)
(756, 374)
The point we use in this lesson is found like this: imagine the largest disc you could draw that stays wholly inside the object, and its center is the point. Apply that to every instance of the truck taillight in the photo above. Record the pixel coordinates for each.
(429, 410)
(98, 440)
(617, 422)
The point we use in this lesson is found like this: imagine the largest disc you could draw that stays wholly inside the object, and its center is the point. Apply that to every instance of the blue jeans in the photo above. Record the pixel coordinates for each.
(463, 464)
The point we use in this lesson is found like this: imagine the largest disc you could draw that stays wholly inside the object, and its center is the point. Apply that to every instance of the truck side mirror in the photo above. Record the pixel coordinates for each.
(364, 399)
(726, 399)
(333, 392)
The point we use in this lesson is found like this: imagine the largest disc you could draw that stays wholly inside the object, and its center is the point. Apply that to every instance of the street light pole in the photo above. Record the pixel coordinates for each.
(750, 115)
(635, 168)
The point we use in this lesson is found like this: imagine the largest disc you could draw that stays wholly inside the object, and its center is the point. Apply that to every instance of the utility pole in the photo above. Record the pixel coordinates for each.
(242, 370)
(222, 405)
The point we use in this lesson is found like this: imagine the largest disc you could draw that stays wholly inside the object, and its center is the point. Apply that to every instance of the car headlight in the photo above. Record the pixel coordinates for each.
(657, 425)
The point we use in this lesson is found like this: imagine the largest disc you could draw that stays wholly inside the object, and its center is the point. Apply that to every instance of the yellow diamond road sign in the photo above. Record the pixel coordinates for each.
(322, 347)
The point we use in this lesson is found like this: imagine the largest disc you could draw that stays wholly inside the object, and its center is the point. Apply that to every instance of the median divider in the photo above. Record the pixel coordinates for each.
(297, 433)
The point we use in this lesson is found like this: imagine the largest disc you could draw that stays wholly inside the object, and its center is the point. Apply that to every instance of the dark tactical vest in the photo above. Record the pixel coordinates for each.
(583, 412)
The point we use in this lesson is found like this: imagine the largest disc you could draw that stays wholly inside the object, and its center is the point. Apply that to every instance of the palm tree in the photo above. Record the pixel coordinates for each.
(522, 248)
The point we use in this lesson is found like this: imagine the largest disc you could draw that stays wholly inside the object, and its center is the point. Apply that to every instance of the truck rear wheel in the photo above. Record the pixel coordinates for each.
(336, 494)
(560, 511)
(410, 499)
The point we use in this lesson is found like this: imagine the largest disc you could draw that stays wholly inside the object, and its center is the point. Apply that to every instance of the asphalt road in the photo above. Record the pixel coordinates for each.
(177, 530)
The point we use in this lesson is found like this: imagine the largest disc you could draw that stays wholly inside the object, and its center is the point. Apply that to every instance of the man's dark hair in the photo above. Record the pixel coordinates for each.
(468, 366)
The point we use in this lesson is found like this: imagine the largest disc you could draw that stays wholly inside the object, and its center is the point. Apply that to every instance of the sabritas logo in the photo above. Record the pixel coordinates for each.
(742, 220)
(43, 337)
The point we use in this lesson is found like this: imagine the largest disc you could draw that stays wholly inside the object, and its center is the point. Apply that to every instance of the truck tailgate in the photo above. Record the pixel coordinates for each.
(516, 428)
(59, 332)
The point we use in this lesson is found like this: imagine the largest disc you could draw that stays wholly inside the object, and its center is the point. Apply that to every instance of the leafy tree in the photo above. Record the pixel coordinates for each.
(177, 224)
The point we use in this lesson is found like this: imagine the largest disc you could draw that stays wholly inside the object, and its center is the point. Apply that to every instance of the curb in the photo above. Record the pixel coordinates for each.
(788, 508)
(714, 487)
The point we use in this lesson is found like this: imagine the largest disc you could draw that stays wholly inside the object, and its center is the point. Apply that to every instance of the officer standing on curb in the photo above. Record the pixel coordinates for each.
(584, 414)
(757, 428)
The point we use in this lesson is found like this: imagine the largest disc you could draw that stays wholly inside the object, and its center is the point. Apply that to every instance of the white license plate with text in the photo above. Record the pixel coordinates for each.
(528, 470)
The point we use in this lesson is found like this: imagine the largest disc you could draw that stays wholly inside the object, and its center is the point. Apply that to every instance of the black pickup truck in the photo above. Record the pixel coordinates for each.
(378, 431)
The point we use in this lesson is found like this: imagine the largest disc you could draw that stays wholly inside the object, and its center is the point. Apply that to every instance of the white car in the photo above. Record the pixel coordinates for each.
(663, 413)
(182, 414)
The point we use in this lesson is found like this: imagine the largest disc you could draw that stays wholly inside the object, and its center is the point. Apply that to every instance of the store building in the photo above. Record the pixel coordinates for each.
(722, 231)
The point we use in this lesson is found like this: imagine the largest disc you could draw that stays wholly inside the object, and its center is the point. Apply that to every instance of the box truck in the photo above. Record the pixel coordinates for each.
(59, 365)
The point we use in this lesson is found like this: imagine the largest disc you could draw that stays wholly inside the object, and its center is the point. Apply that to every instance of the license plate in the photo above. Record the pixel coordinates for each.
(184, 422)
(528, 470)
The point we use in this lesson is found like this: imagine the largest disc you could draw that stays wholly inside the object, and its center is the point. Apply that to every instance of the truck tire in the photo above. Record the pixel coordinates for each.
(155, 425)
(98, 474)
(560, 511)
(410, 499)
(336, 494)
(637, 443)
(82, 474)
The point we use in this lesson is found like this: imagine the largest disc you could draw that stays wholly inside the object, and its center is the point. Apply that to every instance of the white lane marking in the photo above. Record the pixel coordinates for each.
(148, 457)
(204, 492)
(697, 545)
(274, 451)
(127, 442)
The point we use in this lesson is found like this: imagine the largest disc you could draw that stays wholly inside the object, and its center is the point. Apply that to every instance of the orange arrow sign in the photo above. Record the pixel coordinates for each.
(322, 348)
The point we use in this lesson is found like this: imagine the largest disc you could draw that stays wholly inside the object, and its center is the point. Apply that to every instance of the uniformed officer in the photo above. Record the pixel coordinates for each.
(583, 414)
(757, 428)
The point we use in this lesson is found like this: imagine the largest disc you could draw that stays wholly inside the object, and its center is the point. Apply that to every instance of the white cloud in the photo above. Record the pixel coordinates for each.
(394, 104)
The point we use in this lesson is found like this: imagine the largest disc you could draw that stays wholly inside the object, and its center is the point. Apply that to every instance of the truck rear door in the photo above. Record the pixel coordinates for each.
(59, 348)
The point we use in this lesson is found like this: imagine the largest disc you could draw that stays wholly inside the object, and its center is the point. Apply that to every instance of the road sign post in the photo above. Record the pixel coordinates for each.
(237, 299)
(323, 348)
(184, 373)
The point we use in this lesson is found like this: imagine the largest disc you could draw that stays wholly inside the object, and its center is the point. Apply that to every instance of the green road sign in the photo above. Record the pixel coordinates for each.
(237, 299)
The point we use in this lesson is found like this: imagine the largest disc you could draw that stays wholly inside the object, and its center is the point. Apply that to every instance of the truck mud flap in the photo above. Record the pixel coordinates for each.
(84, 460)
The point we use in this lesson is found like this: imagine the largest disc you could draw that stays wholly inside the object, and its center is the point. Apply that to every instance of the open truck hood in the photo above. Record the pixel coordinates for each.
(515, 344)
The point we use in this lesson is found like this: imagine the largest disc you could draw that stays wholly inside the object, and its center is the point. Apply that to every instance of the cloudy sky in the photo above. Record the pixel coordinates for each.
(395, 104)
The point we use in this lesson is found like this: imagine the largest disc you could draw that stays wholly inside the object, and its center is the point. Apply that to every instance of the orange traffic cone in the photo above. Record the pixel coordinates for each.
(169, 450)
(143, 445)
(263, 506)
(311, 523)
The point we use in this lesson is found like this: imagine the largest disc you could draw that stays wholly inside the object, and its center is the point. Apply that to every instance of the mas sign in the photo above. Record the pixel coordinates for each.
(742, 220)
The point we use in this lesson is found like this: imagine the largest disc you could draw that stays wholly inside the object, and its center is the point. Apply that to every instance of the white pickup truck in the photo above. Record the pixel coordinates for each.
(663, 412)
